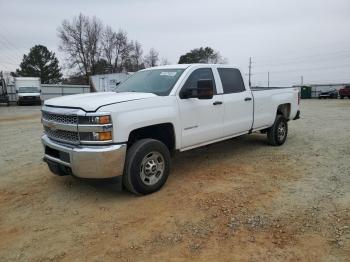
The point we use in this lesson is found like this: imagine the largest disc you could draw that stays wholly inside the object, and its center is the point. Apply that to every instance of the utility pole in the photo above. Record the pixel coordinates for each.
(268, 79)
(250, 71)
(302, 80)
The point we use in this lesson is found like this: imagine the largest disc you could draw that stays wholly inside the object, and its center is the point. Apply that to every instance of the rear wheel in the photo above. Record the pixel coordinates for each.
(147, 166)
(277, 134)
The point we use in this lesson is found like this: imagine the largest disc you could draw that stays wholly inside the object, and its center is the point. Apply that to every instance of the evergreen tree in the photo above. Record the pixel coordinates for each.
(40, 62)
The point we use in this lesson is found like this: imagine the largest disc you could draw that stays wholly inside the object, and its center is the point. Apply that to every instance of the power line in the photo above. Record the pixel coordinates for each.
(339, 52)
(9, 50)
(307, 69)
(9, 42)
(316, 59)
(8, 63)
(9, 58)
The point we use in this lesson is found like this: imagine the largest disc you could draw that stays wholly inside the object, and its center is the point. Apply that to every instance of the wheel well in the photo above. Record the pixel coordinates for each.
(284, 110)
(162, 132)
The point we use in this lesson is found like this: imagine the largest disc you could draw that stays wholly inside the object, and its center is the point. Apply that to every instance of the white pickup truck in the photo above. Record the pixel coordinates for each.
(133, 131)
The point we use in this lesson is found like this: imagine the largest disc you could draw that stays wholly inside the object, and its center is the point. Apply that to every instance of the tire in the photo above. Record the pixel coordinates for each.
(277, 134)
(58, 169)
(147, 167)
(341, 97)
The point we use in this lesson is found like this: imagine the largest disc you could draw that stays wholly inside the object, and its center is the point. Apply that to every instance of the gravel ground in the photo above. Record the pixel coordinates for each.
(236, 200)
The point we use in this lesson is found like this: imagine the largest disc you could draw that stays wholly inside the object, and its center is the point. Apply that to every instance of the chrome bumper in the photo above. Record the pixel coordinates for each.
(86, 161)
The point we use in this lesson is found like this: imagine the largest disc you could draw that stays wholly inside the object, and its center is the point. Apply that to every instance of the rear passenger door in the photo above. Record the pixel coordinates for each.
(238, 102)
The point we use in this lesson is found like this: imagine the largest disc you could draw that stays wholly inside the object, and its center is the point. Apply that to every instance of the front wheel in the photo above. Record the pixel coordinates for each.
(277, 134)
(147, 167)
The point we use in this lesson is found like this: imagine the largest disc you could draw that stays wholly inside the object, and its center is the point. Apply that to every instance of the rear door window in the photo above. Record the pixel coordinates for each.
(231, 79)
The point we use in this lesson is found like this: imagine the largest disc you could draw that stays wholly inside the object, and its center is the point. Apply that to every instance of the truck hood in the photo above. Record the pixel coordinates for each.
(92, 101)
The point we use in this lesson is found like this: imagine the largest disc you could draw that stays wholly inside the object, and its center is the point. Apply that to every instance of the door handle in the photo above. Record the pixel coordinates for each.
(247, 99)
(217, 103)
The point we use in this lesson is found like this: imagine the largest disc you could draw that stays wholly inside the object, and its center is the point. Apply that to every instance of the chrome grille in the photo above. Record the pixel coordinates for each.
(62, 135)
(64, 119)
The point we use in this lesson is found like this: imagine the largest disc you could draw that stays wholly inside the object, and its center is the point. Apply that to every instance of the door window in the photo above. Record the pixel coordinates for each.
(231, 80)
(199, 74)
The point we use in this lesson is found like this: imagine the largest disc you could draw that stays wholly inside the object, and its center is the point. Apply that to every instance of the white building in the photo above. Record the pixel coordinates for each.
(107, 82)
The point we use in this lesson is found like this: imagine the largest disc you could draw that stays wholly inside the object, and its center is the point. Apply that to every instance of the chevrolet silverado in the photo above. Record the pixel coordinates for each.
(133, 131)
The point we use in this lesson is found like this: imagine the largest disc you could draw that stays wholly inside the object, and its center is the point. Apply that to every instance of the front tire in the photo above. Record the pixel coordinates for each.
(147, 167)
(277, 134)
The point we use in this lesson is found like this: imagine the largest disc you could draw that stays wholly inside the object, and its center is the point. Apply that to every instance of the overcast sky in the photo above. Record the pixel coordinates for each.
(288, 38)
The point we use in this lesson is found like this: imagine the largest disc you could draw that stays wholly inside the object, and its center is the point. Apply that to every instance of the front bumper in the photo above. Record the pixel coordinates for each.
(86, 161)
(29, 100)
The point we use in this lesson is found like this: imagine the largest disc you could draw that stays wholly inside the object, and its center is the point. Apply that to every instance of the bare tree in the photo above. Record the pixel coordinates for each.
(120, 44)
(109, 38)
(92, 48)
(80, 40)
(137, 55)
(126, 63)
(165, 61)
(151, 59)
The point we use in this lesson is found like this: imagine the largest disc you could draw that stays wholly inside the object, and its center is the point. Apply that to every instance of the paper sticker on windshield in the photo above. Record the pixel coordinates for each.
(168, 73)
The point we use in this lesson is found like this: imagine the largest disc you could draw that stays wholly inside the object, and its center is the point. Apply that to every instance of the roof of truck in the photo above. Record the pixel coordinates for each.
(184, 66)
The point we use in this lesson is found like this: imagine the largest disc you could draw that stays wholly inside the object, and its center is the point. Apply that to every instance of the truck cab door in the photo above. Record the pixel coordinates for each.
(238, 102)
(201, 119)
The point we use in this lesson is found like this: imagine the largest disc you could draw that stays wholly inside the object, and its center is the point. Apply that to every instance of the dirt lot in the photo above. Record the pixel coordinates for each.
(236, 200)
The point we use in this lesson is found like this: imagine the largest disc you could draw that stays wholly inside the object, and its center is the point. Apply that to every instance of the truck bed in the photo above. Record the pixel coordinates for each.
(268, 88)
(266, 100)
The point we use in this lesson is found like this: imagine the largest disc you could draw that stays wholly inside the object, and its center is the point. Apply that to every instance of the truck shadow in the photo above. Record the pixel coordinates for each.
(220, 151)
(242, 145)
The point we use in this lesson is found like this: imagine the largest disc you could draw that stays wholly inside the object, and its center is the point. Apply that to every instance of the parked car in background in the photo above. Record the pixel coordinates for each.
(345, 91)
(28, 90)
(332, 93)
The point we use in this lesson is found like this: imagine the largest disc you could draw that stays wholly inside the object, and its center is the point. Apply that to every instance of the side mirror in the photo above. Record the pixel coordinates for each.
(205, 89)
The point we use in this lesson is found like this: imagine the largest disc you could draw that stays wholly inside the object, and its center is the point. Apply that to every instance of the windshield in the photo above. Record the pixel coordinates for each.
(28, 89)
(156, 81)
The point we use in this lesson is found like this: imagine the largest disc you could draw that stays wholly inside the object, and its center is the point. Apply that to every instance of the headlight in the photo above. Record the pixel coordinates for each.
(95, 120)
(95, 136)
(102, 136)
(95, 128)
(102, 120)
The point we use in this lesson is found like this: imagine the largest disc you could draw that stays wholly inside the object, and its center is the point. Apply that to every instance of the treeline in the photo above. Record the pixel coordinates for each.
(93, 48)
